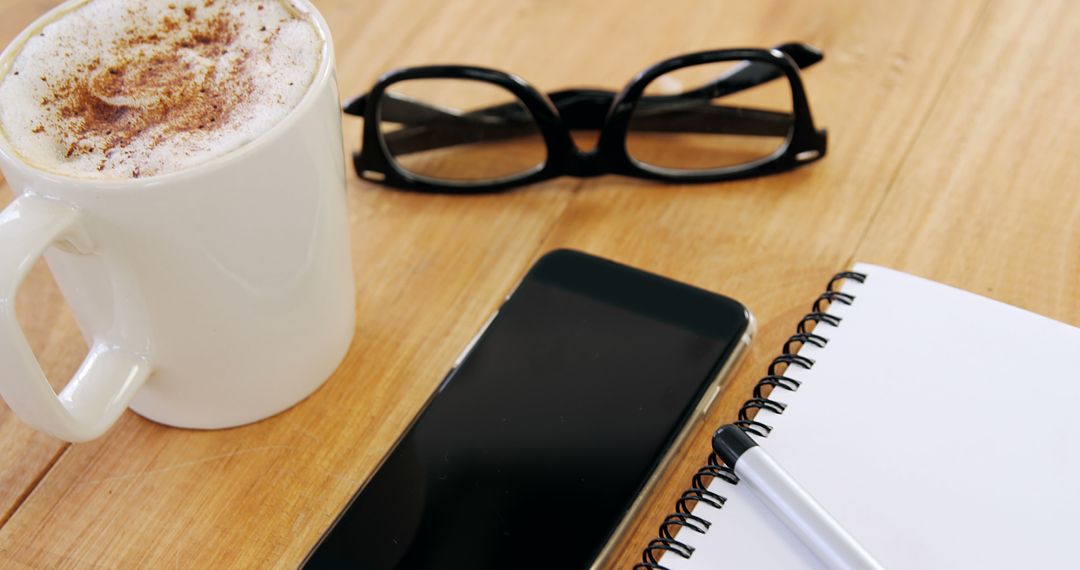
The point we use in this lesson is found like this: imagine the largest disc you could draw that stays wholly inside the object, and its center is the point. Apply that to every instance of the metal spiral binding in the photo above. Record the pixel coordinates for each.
(773, 380)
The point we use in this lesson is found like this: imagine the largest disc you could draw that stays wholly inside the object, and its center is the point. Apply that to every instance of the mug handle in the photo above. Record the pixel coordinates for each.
(109, 376)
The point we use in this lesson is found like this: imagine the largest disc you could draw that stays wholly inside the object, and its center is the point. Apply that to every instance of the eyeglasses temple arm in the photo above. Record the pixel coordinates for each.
(397, 108)
(356, 106)
(467, 129)
(433, 136)
(804, 55)
(715, 119)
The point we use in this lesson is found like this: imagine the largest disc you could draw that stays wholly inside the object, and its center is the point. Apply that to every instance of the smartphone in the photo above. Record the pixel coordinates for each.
(538, 446)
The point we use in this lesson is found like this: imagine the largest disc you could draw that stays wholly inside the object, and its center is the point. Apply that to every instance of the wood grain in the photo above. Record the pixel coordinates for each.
(989, 197)
(952, 136)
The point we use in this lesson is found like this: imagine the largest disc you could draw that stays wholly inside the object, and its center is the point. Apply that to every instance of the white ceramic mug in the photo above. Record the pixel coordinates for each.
(210, 297)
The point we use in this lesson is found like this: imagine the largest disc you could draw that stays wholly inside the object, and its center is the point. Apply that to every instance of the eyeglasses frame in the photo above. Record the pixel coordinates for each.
(804, 144)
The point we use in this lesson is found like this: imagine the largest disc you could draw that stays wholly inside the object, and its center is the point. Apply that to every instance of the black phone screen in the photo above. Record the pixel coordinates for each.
(538, 442)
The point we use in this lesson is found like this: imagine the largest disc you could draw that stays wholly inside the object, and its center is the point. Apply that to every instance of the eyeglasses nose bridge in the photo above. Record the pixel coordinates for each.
(586, 164)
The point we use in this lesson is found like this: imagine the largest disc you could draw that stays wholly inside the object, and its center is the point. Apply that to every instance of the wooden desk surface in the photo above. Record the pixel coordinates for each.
(954, 146)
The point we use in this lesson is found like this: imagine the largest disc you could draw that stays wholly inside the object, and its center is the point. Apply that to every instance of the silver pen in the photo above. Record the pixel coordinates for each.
(807, 519)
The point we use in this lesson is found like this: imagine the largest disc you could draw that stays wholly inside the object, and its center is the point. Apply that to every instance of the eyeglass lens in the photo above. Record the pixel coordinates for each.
(459, 130)
(711, 116)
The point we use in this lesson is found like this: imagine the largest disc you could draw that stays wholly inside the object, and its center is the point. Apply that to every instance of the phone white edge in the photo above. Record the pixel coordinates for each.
(677, 448)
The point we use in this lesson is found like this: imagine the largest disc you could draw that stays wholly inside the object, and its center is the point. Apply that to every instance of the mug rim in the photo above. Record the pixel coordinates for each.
(11, 157)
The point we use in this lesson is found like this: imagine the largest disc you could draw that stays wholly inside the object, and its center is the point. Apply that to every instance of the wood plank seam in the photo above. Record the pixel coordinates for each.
(6, 516)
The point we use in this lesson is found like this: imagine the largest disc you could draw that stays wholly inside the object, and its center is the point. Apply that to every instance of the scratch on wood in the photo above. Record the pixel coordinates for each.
(299, 521)
(349, 480)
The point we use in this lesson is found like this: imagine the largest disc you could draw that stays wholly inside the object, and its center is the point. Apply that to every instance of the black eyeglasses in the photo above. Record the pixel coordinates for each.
(703, 117)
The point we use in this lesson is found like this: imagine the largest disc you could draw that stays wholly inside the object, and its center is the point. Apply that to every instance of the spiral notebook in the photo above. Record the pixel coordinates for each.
(941, 428)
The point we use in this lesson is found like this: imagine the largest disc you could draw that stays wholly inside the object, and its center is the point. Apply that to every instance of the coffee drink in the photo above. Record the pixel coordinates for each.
(126, 89)
(216, 288)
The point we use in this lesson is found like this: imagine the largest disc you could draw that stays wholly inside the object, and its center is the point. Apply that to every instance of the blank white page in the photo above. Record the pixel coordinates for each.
(942, 429)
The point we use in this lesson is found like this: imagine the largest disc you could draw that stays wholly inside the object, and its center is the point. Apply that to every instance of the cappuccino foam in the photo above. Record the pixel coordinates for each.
(123, 88)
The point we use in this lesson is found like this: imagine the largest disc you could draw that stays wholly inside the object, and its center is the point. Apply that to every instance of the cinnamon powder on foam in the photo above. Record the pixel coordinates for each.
(121, 89)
